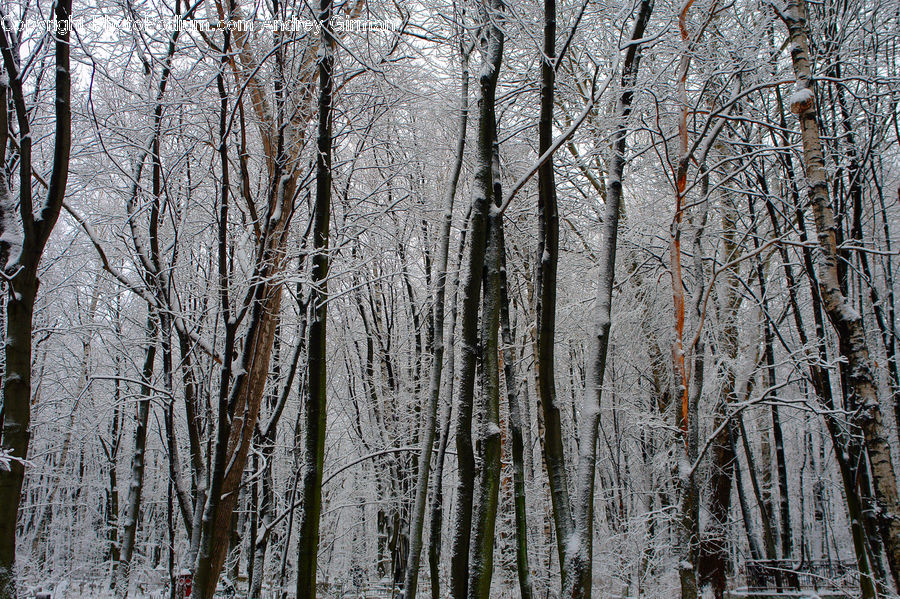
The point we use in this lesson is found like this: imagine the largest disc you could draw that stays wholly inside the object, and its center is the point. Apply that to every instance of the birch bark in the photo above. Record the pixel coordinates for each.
(847, 322)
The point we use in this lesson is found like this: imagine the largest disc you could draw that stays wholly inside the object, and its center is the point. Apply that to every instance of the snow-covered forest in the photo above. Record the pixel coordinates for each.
(449, 298)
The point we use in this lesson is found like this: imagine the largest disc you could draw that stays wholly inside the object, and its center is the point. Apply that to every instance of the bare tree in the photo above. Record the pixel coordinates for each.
(24, 238)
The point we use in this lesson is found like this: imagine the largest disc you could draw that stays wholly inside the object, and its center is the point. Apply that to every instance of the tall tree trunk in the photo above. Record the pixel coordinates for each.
(491, 54)
(578, 584)
(517, 427)
(713, 560)
(437, 499)
(138, 459)
(417, 519)
(752, 542)
(242, 396)
(20, 267)
(777, 435)
(489, 443)
(848, 324)
(315, 405)
(111, 450)
(846, 447)
(685, 411)
(548, 259)
(267, 437)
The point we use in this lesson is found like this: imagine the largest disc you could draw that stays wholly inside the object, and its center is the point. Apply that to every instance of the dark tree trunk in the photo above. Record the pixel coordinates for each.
(492, 48)
(315, 405)
(138, 458)
(20, 266)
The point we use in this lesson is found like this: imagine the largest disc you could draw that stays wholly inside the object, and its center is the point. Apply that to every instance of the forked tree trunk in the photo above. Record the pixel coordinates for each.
(20, 266)
(491, 54)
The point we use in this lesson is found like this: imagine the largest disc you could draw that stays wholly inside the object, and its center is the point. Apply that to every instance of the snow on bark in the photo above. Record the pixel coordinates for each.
(799, 100)
(862, 397)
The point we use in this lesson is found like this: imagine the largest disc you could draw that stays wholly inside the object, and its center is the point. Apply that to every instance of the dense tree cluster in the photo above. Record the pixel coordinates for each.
(474, 298)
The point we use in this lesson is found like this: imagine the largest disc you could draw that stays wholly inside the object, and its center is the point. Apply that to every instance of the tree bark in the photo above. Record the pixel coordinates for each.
(138, 460)
(489, 442)
(417, 519)
(685, 412)
(846, 447)
(491, 55)
(20, 267)
(545, 291)
(437, 501)
(847, 322)
(712, 564)
(579, 561)
(517, 427)
(315, 405)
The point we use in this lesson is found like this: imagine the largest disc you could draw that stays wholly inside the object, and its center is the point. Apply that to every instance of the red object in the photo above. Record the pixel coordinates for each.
(184, 585)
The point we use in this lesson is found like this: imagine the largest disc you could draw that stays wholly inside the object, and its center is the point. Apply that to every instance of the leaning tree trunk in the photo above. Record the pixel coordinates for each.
(848, 323)
(20, 267)
(579, 562)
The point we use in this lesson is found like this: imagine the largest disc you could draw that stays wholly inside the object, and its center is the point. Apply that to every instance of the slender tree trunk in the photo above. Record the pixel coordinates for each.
(111, 450)
(434, 545)
(579, 581)
(492, 48)
(685, 448)
(489, 442)
(713, 560)
(417, 519)
(846, 448)
(752, 542)
(777, 435)
(315, 407)
(548, 259)
(863, 396)
(517, 425)
(46, 510)
(138, 459)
